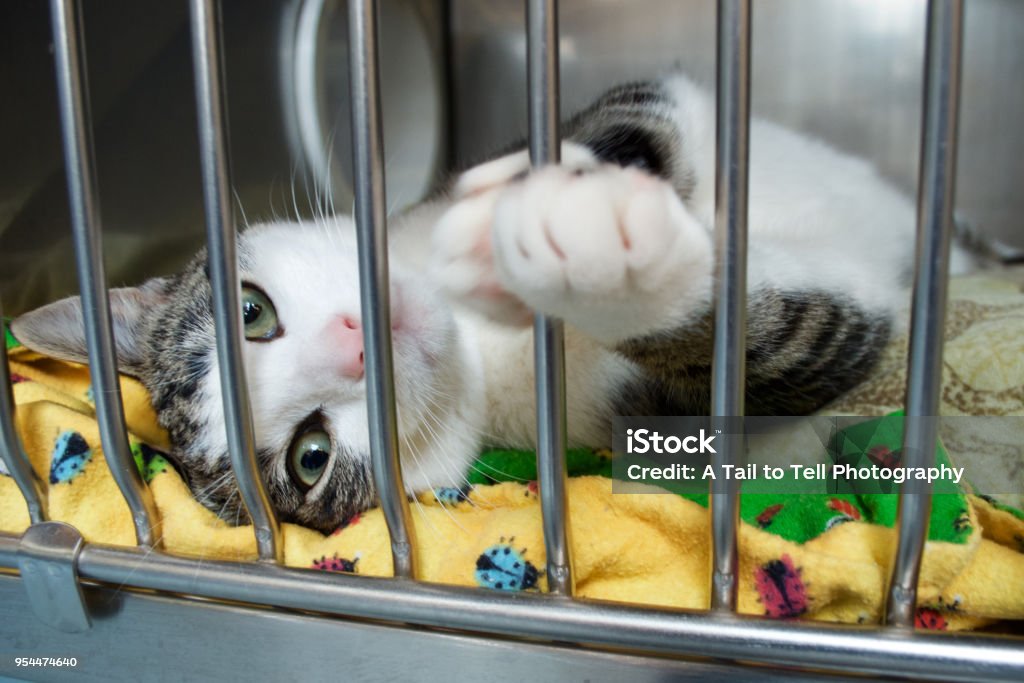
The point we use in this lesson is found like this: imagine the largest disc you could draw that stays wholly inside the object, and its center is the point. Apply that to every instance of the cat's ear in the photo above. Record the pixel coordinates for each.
(57, 329)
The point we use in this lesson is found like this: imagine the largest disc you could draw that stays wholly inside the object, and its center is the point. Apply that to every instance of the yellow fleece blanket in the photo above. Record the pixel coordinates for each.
(650, 549)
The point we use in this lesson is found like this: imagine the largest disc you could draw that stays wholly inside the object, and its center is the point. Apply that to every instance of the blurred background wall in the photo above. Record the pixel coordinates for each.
(848, 71)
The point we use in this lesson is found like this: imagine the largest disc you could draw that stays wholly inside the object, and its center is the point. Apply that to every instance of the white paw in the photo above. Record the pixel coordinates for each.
(463, 258)
(463, 238)
(613, 251)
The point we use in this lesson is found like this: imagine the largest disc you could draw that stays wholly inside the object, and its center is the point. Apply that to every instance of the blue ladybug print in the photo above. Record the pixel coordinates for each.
(450, 494)
(504, 568)
(70, 454)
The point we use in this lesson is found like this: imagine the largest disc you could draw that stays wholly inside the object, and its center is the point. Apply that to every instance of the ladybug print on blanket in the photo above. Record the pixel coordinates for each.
(764, 519)
(451, 495)
(149, 461)
(844, 507)
(884, 457)
(962, 522)
(504, 568)
(848, 512)
(782, 591)
(336, 564)
(930, 619)
(71, 453)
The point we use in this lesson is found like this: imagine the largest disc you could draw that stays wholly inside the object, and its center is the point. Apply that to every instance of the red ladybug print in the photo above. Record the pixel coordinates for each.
(764, 520)
(17, 379)
(930, 619)
(847, 512)
(335, 564)
(782, 592)
(884, 458)
(531, 488)
(844, 507)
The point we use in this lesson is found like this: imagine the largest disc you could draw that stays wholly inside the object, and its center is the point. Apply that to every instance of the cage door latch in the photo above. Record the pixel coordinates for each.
(48, 562)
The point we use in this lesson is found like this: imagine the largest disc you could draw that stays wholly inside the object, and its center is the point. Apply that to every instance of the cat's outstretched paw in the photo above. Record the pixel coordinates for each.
(463, 238)
(611, 250)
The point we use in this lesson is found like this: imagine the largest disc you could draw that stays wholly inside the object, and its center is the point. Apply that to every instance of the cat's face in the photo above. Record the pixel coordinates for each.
(303, 357)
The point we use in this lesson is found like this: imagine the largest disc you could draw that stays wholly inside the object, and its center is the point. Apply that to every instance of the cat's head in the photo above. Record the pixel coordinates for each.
(303, 361)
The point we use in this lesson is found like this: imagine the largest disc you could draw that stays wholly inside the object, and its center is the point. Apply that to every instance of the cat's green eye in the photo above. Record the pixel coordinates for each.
(259, 315)
(307, 458)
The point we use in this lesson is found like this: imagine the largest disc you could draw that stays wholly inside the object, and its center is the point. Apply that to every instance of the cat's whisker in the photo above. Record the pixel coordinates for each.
(214, 485)
(430, 417)
(241, 209)
(270, 200)
(412, 453)
(227, 501)
(315, 206)
(449, 513)
(295, 202)
(328, 170)
(486, 470)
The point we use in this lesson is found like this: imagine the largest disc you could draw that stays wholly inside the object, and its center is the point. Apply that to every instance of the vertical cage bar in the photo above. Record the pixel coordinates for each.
(548, 333)
(11, 451)
(208, 66)
(374, 283)
(76, 133)
(935, 200)
(730, 288)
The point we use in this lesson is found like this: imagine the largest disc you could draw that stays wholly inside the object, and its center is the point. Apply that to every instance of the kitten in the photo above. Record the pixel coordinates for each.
(616, 241)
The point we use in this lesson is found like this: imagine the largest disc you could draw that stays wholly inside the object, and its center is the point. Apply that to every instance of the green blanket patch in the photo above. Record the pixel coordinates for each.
(795, 517)
(497, 465)
(149, 461)
(9, 341)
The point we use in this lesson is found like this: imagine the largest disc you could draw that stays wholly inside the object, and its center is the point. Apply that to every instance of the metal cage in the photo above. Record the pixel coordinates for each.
(412, 629)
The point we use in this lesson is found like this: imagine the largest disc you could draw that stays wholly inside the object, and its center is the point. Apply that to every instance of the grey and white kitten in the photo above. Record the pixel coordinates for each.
(616, 241)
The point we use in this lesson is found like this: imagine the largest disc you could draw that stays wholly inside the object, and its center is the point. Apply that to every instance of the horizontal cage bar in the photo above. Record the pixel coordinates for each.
(831, 647)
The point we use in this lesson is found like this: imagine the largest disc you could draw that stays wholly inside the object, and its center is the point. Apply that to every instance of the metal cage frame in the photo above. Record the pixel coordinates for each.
(54, 563)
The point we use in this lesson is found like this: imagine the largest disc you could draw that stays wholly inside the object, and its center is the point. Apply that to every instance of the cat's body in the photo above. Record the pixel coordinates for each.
(616, 241)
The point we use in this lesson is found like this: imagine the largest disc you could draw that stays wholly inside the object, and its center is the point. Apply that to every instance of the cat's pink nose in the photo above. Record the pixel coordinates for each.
(345, 334)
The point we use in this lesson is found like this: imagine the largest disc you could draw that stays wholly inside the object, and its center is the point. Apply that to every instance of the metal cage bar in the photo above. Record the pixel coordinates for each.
(223, 272)
(935, 199)
(12, 452)
(374, 285)
(548, 333)
(76, 131)
(730, 293)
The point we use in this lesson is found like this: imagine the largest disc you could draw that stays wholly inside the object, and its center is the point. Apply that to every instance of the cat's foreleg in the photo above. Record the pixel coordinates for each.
(611, 250)
(615, 253)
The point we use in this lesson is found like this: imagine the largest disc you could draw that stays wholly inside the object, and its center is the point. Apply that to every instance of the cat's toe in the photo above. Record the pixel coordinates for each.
(599, 249)
(576, 234)
(463, 260)
(656, 231)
